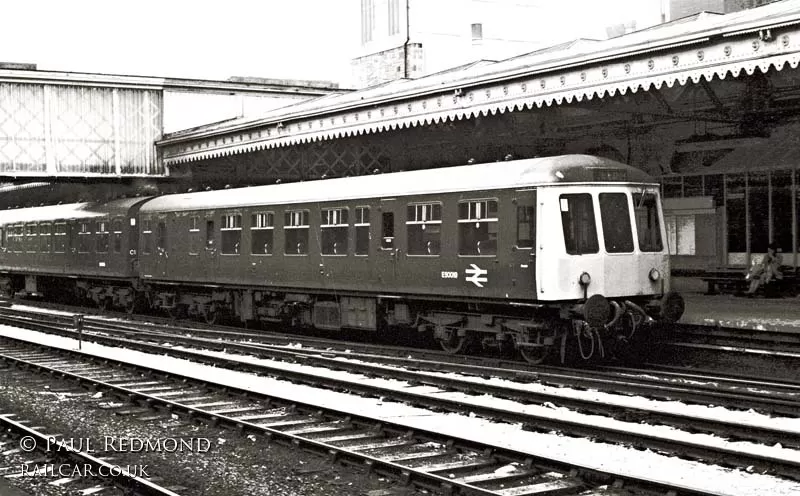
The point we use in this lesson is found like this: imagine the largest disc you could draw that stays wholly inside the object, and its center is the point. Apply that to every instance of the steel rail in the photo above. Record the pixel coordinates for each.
(115, 475)
(652, 415)
(604, 377)
(590, 475)
(790, 468)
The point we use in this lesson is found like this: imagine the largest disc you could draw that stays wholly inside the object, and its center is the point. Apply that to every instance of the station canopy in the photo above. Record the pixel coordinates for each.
(703, 46)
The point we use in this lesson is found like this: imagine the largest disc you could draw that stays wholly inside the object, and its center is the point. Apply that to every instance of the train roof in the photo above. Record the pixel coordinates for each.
(478, 177)
(69, 211)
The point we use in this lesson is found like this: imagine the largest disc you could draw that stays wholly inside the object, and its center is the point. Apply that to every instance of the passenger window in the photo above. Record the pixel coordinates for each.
(45, 238)
(116, 230)
(262, 227)
(616, 218)
(424, 226)
(387, 231)
(296, 226)
(209, 234)
(231, 234)
(333, 231)
(84, 238)
(161, 237)
(147, 237)
(31, 239)
(60, 238)
(477, 227)
(102, 236)
(2, 238)
(20, 239)
(194, 235)
(648, 226)
(578, 224)
(526, 226)
(362, 231)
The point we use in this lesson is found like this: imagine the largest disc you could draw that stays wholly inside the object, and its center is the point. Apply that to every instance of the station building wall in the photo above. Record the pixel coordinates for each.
(725, 210)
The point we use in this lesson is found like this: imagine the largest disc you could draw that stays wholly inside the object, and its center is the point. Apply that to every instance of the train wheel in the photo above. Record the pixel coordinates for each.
(177, 312)
(211, 316)
(535, 355)
(456, 344)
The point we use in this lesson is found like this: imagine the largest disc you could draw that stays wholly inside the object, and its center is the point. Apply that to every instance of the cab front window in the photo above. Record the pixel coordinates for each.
(578, 224)
(616, 218)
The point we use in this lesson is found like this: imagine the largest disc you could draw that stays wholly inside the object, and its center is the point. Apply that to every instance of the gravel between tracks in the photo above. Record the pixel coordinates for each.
(234, 465)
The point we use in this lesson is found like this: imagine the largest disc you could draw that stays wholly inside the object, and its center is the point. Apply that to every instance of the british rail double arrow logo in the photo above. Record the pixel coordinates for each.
(475, 275)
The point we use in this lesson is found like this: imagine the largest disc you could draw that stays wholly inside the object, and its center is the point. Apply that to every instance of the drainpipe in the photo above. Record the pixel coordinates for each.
(408, 39)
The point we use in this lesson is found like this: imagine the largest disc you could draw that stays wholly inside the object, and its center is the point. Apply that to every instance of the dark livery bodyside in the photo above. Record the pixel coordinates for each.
(93, 245)
(534, 255)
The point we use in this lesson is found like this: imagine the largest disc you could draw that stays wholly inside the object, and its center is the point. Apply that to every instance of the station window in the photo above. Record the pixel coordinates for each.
(424, 226)
(362, 230)
(578, 224)
(526, 226)
(477, 227)
(231, 231)
(194, 235)
(31, 238)
(333, 231)
(648, 226)
(102, 236)
(45, 237)
(262, 226)
(84, 238)
(615, 215)
(147, 237)
(60, 238)
(296, 232)
(116, 232)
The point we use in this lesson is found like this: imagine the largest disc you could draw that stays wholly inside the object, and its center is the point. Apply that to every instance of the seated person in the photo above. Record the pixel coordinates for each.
(767, 271)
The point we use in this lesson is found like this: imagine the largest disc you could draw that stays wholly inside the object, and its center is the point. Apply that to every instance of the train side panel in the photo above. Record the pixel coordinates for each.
(422, 245)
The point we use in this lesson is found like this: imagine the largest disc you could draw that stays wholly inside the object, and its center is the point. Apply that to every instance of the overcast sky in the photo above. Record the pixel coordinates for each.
(299, 39)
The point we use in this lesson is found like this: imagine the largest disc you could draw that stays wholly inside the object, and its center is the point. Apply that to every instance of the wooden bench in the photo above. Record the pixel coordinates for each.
(727, 280)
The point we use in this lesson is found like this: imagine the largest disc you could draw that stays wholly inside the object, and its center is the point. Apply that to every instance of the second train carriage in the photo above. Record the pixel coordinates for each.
(82, 249)
(522, 254)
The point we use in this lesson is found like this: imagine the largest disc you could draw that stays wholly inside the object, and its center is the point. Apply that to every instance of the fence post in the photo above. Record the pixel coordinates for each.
(77, 321)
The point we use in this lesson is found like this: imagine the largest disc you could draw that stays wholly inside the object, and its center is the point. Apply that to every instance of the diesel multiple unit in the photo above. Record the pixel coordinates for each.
(541, 255)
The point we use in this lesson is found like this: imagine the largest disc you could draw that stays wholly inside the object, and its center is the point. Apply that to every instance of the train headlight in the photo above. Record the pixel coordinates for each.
(585, 279)
(654, 275)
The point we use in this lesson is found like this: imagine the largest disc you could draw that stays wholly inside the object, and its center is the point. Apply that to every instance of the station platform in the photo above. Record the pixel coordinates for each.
(727, 310)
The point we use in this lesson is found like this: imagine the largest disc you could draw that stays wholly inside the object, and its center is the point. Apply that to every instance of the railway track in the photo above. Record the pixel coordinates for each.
(49, 464)
(771, 397)
(542, 421)
(425, 459)
(772, 353)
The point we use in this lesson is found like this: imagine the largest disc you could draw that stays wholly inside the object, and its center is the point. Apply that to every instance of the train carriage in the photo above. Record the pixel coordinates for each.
(523, 254)
(86, 249)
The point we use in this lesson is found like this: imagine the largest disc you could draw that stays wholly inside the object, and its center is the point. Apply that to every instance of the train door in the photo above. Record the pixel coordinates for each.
(389, 253)
(162, 249)
(524, 252)
(210, 252)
